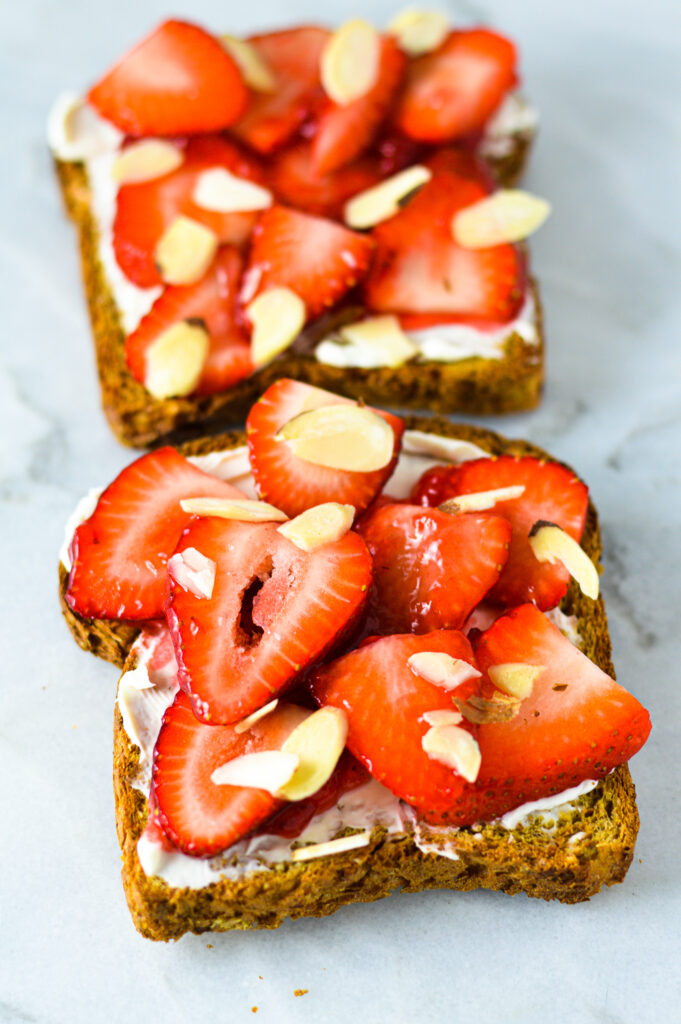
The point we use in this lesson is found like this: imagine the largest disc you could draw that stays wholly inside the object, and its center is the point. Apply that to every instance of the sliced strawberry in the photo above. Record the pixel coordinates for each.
(274, 611)
(317, 259)
(145, 210)
(213, 301)
(295, 181)
(293, 56)
(177, 81)
(290, 483)
(552, 493)
(454, 90)
(430, 568)
(198, 816)
(344, 132)
(385, 702)
(120, 553)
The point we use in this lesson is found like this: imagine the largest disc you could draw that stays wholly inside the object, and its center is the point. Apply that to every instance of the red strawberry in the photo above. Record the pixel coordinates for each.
(145, 210)
(274, 611)
(293, 179)
(290, 483)
(385, 702)
(430, 568)
(454, 90)
(177, 81)
(213, 301)
(293, 56)
(120, 553)
(552, 493)
(317, 259)
(344, 132)
(198, 816)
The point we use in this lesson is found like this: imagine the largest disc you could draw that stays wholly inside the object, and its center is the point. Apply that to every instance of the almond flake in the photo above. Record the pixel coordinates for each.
(243, 509)
(265, 769)
(349, 61)
(246, 723)
(381, 201)
(185, 251)
(317, 743)
(174, 362)
(343, 436)
(419, 31)
(508, 215)
(481, 500)
(255, 70)
(455, 748)
(552, 544)
(319, 525)
(194, 572)
(219, 190)
(353, 842)
(440, 669)
(375, 342)
(146, 160)
(514, 678)
(442, 716)
(278, 316)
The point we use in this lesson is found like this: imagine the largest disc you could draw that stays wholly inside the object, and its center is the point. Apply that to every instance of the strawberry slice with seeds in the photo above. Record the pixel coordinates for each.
(121, 552)
(430, 568)
(290, 483)
(274, 610)
(145, 210)
(197, 815)
(293, 178)
(212, 301)
(454, 90)
(386, 701)
(177, 81)
(552, 493)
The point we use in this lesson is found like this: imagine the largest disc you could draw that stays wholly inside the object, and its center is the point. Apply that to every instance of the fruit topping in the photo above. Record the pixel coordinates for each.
(297, 183)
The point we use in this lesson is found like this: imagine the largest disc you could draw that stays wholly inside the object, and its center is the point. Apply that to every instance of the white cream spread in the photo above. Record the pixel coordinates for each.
(514, 117)
(81, 512)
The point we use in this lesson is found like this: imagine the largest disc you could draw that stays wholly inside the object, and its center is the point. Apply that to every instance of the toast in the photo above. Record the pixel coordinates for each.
(568, 855)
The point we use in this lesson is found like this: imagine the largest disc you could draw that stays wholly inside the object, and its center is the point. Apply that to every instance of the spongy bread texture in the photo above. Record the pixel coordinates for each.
(589, 846)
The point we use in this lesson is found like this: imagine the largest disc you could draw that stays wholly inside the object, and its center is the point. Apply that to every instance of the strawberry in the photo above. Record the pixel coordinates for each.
(273, 611)
(120, 553)
(385, 702)
(145, 210)
(295, 181)
(344, 132)
(552, 493)
(289, 482)
(454, 90)
(177, 81)
(213, 301)
(430, 568)
(317, 259)
(198, 816)
(293, 56)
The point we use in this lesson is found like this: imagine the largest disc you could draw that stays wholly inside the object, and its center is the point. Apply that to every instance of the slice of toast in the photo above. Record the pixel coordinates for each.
(590, 843)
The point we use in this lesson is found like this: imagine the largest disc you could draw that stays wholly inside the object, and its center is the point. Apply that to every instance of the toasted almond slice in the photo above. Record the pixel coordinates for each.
(419, 31)
(381, 201)
(442, 717)
(455, 748)
(374, 342)
(508, 215)
(319, 525)
(515, 678)
(349, 62)
(278, 316)
(173, 363)
(184, 251)
(552, 544)
(353, 842)
(317, 743)
(347, 437)
(256, 71)
(193, 571)
(146, 160)
(243, 509)
(217, 189)
(440, 669)
(264, 769)
(246, 723)
(481, 500)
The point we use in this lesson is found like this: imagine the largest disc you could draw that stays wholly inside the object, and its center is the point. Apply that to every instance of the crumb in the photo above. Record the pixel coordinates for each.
(300, 991)
(254, 1009)
(260, 976)
(209, 945)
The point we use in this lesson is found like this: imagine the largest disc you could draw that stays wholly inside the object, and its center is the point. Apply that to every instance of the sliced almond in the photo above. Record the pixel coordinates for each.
(219, 190)
(442, 716)
(441, 669)
(278, 316)
(265, 769)
(243, 509)
(515, 678)
(552, 544)
(256, 72)
(383, 200)
(344, 436)
(375, 342)
(146, 160)
(317, 743)
(349, 61)
(320, 525)
(353, 842)
(193, 571)
(508, 215)
(481, 500)
(173, 363)
(480, 710)
(247, 723)
(455, 748)
(185, 251)
(419, 31)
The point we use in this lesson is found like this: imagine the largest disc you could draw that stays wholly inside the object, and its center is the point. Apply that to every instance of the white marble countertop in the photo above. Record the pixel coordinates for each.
(606, 77)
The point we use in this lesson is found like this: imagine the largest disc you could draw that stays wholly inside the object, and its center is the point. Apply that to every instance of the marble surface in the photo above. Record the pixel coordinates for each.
(607, 80)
